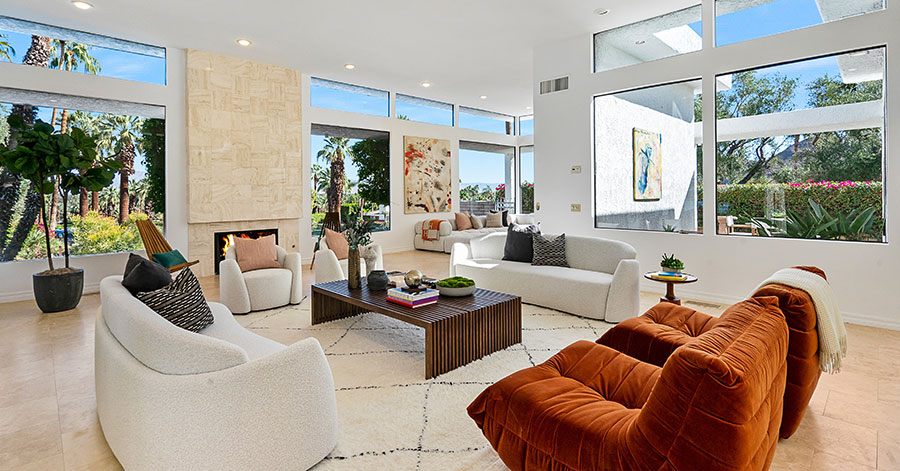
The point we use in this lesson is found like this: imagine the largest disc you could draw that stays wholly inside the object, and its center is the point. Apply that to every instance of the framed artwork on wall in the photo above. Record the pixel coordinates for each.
(647, 165)
(426, 183)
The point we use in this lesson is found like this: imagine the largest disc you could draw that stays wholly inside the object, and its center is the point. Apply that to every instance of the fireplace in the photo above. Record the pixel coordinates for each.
(224, 240)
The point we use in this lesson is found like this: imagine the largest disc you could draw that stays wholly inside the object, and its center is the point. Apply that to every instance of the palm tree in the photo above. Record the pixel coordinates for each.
(123, 134)
(109, 199)
(69, 57)
(6, 49)
(140, 192)
(38, 55)
(334, 152)
(90, 124)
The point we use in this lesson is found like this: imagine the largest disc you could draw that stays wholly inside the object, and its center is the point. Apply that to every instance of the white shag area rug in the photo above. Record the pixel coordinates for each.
(389, 416)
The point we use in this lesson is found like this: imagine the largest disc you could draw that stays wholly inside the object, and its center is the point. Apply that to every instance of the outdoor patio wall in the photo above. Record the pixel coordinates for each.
(400, 237)
(862, 274)
(616, 119)
(15, 277)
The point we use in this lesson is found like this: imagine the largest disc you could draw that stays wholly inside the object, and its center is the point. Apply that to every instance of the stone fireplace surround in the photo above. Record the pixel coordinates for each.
(244, 151)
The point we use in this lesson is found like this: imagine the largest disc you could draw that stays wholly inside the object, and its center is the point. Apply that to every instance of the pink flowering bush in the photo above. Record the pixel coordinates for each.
(834, 196)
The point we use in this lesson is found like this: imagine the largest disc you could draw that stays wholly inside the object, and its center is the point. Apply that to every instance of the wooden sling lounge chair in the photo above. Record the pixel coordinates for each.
(155, 243)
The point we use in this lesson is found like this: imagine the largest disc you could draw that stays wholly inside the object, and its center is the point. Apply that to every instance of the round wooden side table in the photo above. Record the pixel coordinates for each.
(670, 286)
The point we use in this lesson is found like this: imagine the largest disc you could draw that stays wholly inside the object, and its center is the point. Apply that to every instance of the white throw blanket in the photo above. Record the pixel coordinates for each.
(829, 323)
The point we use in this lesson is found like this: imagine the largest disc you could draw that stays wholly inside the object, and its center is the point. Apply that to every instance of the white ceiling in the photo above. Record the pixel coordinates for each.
(466, 48)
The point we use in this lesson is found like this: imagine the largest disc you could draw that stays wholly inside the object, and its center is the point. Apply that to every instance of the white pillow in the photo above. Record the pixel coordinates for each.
(525, 219)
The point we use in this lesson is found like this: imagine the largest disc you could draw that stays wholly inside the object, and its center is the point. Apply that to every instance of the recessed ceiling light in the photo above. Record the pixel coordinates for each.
(483, 97)
(349, 66)
(53, 100)
(527, 107)
(601, 11)
(82, 5)
(426, 84)
(851, 70)
(244, 42)
(858, 54)
(639, 42)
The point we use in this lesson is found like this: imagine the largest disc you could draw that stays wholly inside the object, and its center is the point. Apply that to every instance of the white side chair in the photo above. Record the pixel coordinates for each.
(258, 290)
(221, 398)
(329, 268)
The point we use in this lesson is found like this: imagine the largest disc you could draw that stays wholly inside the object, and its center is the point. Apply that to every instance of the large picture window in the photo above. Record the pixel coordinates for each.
(645, 158)
(100, 221)
(799, 149)
(671, 34)
(35, 44)
(350, 175)
(487, 177)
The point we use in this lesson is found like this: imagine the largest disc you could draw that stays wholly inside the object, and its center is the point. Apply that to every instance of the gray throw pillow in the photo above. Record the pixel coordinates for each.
(143, 275)
(181, 302)
(519, 245)
(550, 252)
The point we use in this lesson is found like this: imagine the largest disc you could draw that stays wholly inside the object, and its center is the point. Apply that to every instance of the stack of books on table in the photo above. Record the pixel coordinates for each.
(668, 276)
(412, 299)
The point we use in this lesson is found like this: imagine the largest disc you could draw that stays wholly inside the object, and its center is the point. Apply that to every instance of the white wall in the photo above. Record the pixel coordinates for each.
(15, 277)
(400, 237)
(615, 120)
(862, 274)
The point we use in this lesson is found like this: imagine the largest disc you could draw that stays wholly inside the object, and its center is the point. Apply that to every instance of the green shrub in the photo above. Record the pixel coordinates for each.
(96, 234)
(749, 200)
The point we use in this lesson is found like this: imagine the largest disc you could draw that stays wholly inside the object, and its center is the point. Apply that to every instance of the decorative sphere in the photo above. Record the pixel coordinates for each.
(413, 278)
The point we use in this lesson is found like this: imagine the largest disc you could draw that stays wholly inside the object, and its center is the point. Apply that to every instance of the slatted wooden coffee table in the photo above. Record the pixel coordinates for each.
(457, 330)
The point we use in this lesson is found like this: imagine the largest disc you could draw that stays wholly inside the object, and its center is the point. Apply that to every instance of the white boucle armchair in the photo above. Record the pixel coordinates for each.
(259, 290)
(328, 268)
(602, 280)
(222, 398)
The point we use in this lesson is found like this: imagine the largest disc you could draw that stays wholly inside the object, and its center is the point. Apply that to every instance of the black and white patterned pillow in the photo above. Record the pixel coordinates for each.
(548, 251)
(181, 302)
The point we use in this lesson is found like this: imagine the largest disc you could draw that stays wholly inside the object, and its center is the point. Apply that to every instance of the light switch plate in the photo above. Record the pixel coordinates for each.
(575, 208)
(537, 206)
(576, 169)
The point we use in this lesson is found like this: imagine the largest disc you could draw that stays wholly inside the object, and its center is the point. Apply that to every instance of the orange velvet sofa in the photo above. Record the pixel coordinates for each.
(714, 406)
(653, 337)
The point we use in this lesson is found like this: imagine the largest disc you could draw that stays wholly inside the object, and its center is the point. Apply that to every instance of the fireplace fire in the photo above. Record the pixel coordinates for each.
(224, 240)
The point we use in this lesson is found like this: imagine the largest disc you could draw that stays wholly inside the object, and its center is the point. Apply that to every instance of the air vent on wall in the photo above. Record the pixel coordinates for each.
(555, 85)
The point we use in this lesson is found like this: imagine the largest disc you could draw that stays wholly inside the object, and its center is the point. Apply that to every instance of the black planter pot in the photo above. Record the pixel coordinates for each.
(58, 292)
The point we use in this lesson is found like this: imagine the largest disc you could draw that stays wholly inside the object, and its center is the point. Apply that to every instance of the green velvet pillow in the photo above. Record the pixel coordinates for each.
(169, 259)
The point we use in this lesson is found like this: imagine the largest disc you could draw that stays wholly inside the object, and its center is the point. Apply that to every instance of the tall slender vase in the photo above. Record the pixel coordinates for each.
(353, 268)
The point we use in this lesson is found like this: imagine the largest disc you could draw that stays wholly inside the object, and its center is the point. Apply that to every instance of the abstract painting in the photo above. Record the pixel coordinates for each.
(647, 165)
(427, 182)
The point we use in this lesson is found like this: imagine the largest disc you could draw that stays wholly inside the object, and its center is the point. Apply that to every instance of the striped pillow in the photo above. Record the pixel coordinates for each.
(548, 251)
(181, 302)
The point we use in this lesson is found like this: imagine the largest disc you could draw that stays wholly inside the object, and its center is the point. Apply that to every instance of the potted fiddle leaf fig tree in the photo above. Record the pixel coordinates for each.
(49, 159)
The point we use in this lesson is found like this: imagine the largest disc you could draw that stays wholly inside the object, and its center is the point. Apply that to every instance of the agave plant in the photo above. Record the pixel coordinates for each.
(817, 223)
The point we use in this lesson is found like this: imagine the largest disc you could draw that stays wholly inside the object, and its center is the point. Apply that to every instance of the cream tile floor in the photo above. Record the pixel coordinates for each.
(48, 417)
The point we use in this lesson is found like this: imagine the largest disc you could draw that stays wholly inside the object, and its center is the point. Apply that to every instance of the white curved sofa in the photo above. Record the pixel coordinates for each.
(601, 282)
(328, 268)
(263, 289)
(449, 235)
(223, 398)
